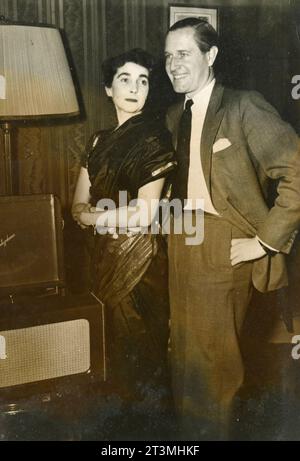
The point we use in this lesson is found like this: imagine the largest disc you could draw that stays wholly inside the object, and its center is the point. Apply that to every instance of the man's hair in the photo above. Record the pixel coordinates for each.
(205, 35)
(136, 55)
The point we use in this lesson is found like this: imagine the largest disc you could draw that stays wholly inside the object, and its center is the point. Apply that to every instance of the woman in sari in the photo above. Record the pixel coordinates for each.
(129, 271)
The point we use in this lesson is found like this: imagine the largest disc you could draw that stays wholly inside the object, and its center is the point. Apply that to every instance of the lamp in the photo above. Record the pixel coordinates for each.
(35, 80)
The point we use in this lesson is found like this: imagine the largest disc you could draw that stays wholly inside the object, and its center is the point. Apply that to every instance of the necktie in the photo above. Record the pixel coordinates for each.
(183, 153)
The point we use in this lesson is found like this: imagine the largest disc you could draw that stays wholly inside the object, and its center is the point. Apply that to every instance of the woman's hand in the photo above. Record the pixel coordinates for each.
(88, 218)
(77, 210)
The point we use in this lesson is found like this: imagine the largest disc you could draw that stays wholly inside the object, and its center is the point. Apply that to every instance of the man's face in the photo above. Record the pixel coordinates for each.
(186, 66)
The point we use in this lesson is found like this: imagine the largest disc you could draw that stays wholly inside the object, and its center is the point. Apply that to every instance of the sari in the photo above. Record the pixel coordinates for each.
(129, 272)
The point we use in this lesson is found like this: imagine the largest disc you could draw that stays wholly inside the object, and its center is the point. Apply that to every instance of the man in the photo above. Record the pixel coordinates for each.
(229, 145)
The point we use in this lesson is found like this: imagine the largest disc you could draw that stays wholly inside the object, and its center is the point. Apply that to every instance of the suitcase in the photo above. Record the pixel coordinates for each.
(31, 243)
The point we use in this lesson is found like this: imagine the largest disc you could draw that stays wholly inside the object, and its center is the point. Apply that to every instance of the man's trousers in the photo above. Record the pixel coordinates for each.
(209, 300)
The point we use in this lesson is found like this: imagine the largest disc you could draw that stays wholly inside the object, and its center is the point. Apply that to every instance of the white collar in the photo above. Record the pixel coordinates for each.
(202, 96)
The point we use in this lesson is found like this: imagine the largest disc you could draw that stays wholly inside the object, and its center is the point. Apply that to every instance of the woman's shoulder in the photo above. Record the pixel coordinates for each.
(155, 129)
(97, 137)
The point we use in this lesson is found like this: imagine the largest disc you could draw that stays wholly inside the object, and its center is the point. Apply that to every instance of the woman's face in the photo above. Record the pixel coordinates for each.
(129, 89)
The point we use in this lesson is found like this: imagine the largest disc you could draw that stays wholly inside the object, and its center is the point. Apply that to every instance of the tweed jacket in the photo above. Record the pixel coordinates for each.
(261, 147)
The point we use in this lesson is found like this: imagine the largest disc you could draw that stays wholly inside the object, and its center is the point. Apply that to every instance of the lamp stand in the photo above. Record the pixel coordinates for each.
(6, 128)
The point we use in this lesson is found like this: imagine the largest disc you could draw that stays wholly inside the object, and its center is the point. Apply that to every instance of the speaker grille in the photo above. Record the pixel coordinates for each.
(44, 352)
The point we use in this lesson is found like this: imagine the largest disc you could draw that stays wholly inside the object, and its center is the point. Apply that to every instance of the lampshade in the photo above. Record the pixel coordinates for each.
(35, 79)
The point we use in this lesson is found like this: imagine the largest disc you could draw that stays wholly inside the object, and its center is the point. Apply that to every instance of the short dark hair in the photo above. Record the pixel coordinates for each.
(205, 35)
(136, 55)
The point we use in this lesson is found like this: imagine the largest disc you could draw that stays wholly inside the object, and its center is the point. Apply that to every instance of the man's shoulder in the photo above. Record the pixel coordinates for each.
(236, 95)
(230, 95)
(247, 102)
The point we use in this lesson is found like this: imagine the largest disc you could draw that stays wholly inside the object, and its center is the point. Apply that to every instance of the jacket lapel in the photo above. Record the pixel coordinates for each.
(211, 125)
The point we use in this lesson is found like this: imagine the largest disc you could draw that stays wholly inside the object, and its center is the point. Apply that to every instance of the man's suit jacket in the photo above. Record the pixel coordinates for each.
(263, 147)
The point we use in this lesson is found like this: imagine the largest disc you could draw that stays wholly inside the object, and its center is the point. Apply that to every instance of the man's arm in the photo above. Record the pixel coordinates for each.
(275, 145)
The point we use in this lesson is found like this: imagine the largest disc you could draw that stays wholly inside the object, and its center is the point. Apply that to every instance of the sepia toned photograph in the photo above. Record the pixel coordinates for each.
(149, 222)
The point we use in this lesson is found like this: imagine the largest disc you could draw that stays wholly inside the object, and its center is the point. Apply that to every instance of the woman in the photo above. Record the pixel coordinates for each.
(129, 270)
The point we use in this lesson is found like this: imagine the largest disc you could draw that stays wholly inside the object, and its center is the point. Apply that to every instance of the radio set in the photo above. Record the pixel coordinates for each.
(49, 342)
(45, 341)
(31, 243)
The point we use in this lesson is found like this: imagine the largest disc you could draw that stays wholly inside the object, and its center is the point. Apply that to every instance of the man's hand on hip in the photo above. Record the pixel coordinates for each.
(245, 250)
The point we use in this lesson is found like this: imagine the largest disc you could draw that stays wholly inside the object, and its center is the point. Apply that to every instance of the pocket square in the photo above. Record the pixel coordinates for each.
(221, 144)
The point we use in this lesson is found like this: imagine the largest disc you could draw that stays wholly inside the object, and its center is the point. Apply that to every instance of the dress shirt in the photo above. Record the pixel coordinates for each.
(197, 188)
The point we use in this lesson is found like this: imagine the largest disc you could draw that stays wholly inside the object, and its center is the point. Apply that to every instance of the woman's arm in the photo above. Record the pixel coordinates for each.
(81, 197)
(140, 215)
